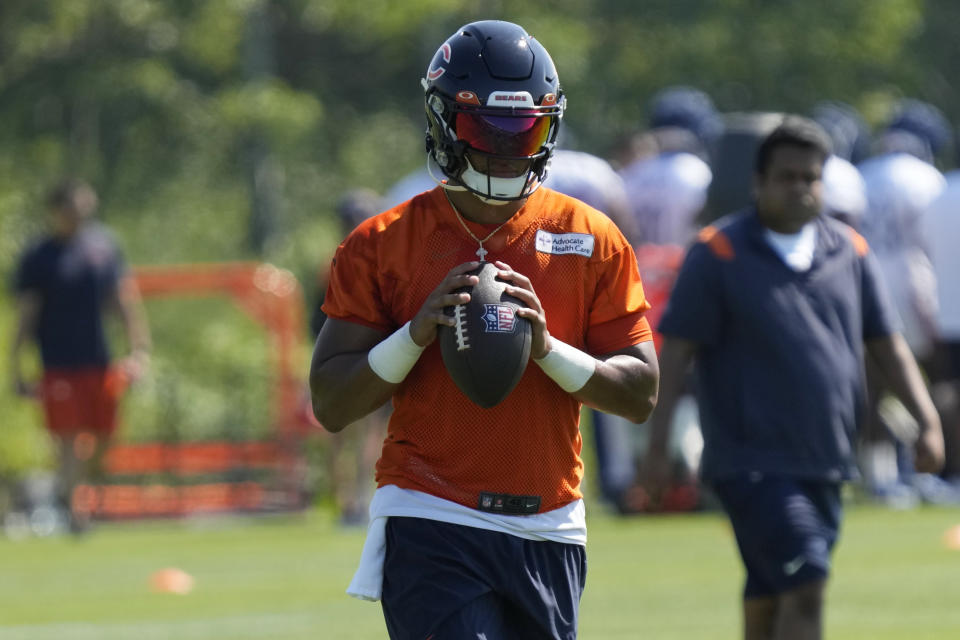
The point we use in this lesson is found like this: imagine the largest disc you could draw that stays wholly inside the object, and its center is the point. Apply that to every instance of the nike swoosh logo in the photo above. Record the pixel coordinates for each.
(794, 565)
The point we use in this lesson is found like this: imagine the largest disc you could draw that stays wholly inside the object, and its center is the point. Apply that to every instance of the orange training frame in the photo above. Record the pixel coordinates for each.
(273, 298)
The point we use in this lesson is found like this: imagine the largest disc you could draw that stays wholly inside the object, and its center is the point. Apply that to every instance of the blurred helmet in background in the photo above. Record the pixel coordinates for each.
(844, 191)
(917, 128)
(356, 205)
(686, 108)
(846, 128)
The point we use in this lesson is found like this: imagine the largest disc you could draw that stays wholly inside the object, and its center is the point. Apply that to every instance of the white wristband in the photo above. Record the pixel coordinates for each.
(393, 358)
(567, 366)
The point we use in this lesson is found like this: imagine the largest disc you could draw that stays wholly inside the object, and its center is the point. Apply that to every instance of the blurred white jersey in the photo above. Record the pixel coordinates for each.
(591, 179)
(900, 189)
(844, 191)
(408, 186)
(666, 192)
(941, 225)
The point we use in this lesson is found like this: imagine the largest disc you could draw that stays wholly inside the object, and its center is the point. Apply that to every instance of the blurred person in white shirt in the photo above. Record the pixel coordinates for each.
(942, 233)
(902, 182)
(667, 190)
(845, 192)
(593, 180)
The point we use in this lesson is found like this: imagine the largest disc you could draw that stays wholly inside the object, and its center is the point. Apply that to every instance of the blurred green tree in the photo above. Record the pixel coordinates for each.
(226, 129)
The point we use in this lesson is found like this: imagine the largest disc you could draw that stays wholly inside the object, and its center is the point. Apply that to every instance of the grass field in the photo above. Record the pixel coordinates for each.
(283, 578)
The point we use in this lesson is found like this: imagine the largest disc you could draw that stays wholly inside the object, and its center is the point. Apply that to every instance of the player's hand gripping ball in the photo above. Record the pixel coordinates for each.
(487, 350)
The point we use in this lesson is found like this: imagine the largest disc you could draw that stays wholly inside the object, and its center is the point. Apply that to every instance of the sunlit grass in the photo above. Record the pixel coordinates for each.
(283, 578)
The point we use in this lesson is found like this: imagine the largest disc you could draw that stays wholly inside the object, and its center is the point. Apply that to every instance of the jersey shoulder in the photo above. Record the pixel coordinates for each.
(395, 223)
(565, 220)
(675, 168)
(573, 215)
(901, 170)
(689, 169)
(724, 237)
(838, 231)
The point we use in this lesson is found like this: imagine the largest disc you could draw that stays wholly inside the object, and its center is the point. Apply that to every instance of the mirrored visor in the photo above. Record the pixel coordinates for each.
(515, 135)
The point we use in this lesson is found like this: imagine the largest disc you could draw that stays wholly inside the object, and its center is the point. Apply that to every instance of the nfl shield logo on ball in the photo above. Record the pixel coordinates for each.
(499, 318)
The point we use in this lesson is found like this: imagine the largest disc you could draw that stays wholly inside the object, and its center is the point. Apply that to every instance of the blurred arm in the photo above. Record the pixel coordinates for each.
(134, 318)
(675, 357)
(28, 312)
(900, 371)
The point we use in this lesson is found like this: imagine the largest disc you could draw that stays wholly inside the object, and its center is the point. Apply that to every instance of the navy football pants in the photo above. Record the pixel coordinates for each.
(451, 582)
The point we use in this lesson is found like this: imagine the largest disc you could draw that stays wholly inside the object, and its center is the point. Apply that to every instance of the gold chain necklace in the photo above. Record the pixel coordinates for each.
(481, 252)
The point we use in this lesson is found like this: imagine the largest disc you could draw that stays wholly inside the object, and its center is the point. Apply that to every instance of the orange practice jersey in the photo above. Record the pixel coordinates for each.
(439, 442)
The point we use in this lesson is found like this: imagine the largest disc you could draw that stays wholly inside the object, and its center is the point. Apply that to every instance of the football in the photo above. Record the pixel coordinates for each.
(487, 351)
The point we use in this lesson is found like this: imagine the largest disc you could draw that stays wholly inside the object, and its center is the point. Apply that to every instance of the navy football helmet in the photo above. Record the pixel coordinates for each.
(918, 128)
(846, 128)
(494, 105)
(687, 108)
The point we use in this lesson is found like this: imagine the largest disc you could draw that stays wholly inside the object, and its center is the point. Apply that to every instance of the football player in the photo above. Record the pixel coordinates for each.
(901, 183)
(477, 527)
(668, 189)
(942, 231)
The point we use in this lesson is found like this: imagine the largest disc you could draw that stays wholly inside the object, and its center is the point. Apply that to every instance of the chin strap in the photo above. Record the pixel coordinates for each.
(496, 191)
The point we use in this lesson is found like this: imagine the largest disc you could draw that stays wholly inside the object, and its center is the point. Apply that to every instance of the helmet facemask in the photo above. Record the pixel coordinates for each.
(500, 154)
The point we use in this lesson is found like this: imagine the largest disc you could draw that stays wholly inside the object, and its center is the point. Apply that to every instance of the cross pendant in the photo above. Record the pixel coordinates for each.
(482, 253)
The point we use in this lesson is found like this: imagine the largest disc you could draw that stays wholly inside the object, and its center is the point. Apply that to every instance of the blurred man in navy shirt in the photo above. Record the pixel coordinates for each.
(65, 283)
(777, 306)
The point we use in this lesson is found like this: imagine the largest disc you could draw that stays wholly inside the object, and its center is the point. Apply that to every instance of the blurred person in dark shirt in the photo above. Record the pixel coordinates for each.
(777, 305)
(66, 283)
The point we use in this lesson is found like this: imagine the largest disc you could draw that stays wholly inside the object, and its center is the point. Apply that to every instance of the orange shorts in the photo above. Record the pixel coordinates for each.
(76, 400)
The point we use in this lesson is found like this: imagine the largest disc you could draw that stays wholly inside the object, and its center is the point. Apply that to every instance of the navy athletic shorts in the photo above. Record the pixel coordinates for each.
(445, 581)
(785, 528)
